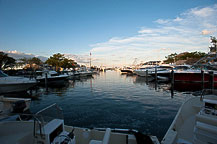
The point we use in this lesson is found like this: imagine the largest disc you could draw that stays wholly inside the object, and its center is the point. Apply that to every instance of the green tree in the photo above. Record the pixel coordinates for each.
(58, 60)
(170, 58)
(31, 61)
(191, 56)
(6, 61)
(55, 60)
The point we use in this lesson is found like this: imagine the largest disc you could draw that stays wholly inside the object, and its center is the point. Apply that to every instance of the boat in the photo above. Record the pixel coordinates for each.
(11, 84)
(162, 70)
(47, 127)
(204, 70)
(50, 77)
(10, 106)
(83, 72)
(126, 70)
(195, 122)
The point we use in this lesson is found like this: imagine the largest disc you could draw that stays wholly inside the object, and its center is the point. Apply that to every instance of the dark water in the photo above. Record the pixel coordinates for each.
(114, 100)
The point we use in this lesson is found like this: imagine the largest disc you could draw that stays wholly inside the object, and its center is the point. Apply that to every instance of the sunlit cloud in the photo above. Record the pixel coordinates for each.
(18, 55)
(188, 31)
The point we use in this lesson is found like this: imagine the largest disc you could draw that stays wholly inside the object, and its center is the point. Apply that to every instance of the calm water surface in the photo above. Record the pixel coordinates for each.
(116, 101)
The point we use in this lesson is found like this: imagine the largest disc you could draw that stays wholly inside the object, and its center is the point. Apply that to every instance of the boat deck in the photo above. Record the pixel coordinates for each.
(13, 132)
(187, 129)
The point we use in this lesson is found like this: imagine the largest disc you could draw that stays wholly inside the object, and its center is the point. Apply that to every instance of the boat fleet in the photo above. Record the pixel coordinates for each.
(12, 84)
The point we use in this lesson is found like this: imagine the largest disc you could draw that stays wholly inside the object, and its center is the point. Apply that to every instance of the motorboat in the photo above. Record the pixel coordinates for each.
(143, 72)
(49, 129)
(50, 77)
(126, 70)
(161, 70)
(10, 84)
(195, 122)
(83, 72)
(10, 106)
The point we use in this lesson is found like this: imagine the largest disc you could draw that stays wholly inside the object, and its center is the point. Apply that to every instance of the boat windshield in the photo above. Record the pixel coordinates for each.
(3, 74)
(49, 113)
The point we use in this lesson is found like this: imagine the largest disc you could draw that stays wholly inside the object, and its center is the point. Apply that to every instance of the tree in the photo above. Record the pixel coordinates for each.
(6, 61)
(170, 58)
(58, 60)
(32, 62)
(188, 56)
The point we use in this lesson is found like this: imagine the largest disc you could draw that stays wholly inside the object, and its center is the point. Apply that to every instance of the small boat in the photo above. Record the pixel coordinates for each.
(195, 122)
(10, 106)
(83, 72)
(48, 127)
(52, 77)
(126, 70)
(10, 84)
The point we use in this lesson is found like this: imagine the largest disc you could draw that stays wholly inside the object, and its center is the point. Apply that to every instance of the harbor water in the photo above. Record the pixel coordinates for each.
(110, 99)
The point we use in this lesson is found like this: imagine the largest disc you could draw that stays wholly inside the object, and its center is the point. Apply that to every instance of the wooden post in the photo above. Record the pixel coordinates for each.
(146, 76)
(202, 79)
(211, 80)
(172, 83)
(155, 73)
(46, 79)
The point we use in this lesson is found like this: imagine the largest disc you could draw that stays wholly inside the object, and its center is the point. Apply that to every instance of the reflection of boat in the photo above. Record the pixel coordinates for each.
(48, 129)
(52, 77)
(195, 122)
(9, 84)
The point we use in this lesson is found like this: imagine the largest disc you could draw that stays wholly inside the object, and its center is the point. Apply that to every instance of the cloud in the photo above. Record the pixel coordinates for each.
(206, 32)
(186, 32)
(18, 55)
(161, 21)
(80, 59)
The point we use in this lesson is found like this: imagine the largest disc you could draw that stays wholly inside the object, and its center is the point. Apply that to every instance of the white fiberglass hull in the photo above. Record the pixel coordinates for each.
(15, 87)
(182, 126)
(141, 73)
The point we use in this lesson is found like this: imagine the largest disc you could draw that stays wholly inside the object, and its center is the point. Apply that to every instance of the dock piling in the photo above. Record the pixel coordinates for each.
(172, 83)
(202, 79)
(211, 80)
(146, 78)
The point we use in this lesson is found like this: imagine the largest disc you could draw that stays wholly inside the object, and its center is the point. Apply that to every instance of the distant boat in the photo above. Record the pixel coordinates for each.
(10, 84)
(52, 77)
(83, 72)
(127, 70)
(195, 122)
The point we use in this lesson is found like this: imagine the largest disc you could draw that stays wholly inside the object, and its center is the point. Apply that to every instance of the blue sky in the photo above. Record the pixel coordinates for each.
(115, 31)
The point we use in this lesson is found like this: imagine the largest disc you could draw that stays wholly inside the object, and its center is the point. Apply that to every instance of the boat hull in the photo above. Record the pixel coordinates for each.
(126, 71)
(17, 87)
(52, 80)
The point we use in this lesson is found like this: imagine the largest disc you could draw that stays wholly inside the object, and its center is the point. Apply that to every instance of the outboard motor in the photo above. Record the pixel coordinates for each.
(19, 106)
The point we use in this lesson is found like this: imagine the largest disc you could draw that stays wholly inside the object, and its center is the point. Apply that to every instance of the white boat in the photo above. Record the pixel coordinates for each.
(195, 122)
(52, 77)
(9, 84)
(151, 70)
(83, 71)
(51, 130)
(10, 106)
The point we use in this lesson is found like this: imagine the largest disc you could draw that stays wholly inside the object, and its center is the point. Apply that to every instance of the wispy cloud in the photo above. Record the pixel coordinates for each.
(18, 55)
(188, 31)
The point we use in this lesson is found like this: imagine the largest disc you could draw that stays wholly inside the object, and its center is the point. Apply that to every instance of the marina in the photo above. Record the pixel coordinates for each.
(103, 101)
(108, 72)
